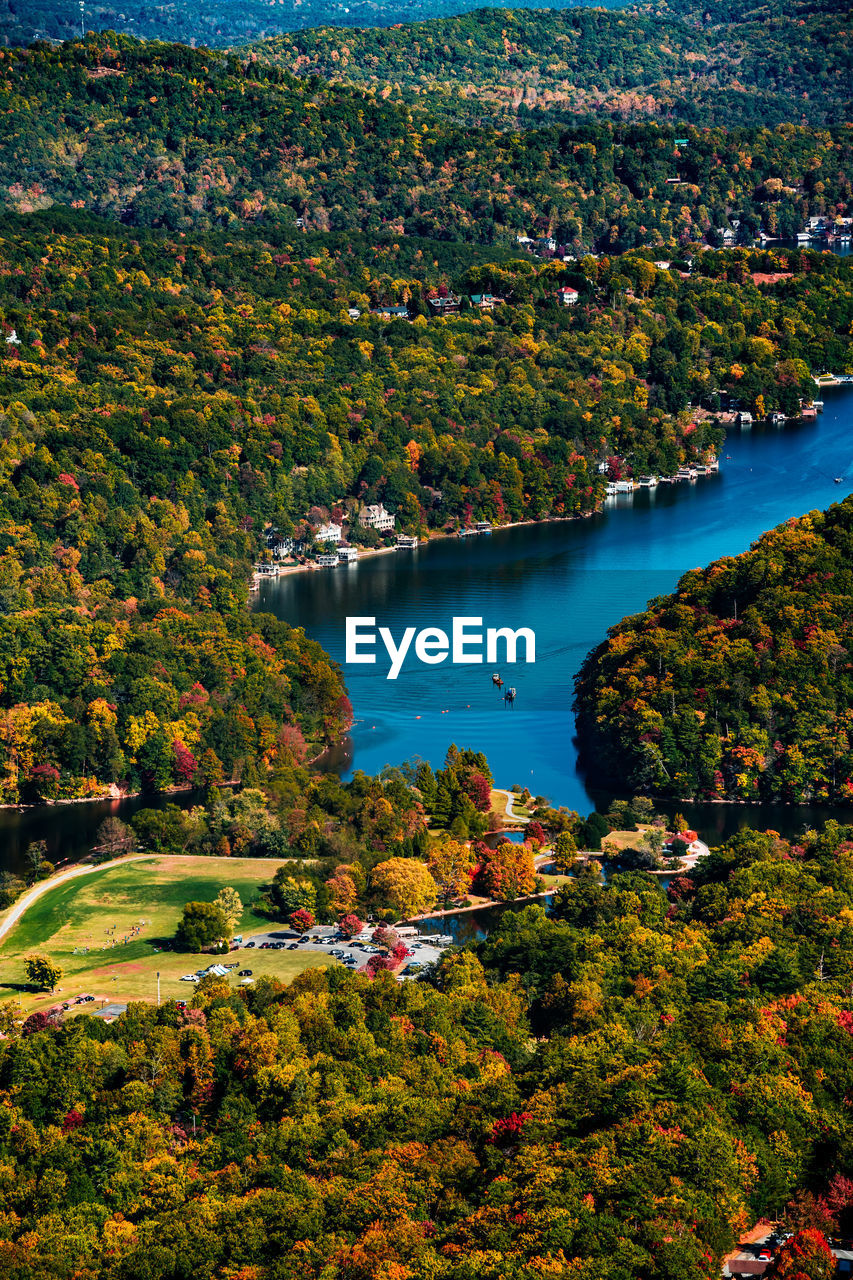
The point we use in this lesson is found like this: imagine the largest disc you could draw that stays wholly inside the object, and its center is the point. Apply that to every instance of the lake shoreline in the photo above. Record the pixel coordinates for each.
(368, 553)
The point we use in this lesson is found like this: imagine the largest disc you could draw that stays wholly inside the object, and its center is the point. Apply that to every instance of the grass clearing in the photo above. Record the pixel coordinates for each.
(99, 910)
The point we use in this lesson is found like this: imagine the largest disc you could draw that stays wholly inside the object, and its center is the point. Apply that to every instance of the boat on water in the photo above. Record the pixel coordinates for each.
(818, 404)
(647, 482)
(483, 526)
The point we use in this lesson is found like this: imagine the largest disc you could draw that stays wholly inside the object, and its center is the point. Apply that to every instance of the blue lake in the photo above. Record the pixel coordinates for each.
(569, 582)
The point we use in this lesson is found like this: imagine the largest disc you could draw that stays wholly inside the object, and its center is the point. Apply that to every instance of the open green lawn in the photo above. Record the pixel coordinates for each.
(97, 909)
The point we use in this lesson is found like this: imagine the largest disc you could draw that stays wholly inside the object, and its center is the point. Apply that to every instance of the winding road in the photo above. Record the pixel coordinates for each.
(513, 817)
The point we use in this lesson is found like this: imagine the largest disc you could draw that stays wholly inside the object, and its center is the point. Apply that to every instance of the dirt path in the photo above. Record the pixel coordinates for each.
(32, 895)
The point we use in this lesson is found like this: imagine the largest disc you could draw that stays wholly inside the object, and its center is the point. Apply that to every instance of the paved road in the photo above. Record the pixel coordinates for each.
(514, 817)
(35, 893)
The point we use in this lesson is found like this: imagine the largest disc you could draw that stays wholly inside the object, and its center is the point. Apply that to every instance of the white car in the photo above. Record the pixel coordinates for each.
(190, 977)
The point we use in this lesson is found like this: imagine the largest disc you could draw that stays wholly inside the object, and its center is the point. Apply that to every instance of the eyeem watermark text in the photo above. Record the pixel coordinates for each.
(465, 644)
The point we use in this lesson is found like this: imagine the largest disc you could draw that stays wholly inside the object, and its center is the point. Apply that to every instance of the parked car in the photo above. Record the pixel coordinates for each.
(180, 1004)
(351, 961)
(250, 944)
(190, 977)
(293, 946)
(305, 938)
(245, 973)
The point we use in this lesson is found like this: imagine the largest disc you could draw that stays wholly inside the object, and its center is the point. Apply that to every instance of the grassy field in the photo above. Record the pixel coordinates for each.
(498, 806)
(100, 910)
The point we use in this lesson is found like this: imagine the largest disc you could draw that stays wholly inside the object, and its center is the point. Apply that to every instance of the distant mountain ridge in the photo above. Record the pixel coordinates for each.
(666, 61)
(221, 23)
(731, 62)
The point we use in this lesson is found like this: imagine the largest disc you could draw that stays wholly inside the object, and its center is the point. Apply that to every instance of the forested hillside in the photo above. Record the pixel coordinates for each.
(523, 66)
(737, 686)
(164, 135)
(217, 23)
(612, 1093)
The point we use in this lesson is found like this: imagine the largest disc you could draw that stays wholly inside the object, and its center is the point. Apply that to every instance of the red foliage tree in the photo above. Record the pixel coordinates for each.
(535, 833)
(350, 925)
(186, 765)
(302, 919)
(385, 936)
(35, 1022)
(480, 792)
(505, 1132)
(806, 1256)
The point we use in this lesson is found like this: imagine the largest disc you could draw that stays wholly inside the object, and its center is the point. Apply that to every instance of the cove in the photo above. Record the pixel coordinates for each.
(569, 582)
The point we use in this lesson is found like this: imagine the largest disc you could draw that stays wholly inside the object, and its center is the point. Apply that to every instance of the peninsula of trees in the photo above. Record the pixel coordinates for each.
(738, 685)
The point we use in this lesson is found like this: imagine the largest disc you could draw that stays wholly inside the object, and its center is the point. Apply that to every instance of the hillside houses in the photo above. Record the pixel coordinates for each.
(376, 517)
(444, 304)
(329, 532)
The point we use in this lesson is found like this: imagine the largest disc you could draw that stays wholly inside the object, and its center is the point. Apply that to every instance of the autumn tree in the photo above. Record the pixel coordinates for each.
(806, 1256)
(506, 872)
(450, 863)
(229, 903)
(406, 884)
(42, 972)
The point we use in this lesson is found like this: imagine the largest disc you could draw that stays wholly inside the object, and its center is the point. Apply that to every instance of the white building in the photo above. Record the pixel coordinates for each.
(568, 297)
(328, 533)
(13, 340)
(376, 517)
(348, 554)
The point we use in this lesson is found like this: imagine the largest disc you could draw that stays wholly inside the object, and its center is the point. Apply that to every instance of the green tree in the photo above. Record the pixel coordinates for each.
(201, 924)
(43, 972)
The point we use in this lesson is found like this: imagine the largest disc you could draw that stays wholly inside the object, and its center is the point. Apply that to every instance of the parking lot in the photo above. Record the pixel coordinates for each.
(320, 940)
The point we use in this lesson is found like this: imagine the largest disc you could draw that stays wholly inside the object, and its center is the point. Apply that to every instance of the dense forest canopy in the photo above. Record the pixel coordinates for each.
(521, 66)
(613, 1093)
(218, 23)
(738, 685)
(170, 399)
(165, 135)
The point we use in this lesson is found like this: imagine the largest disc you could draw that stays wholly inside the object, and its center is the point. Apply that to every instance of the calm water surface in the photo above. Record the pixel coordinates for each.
(569, 582)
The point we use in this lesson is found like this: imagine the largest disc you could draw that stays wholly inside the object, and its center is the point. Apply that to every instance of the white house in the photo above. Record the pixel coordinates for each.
(348, 555)
(328, 533)
(13, 339)
(282, 548)
(376, 517)
(568, 297)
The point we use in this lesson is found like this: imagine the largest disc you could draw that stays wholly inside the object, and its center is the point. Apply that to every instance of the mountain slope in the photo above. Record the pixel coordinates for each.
(624, 63)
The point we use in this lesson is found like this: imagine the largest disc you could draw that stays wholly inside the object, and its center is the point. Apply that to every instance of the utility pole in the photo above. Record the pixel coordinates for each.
(82, 28)
(158, 988)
